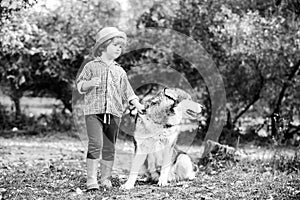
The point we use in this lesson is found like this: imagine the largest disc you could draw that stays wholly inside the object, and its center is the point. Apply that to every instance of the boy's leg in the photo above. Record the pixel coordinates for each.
(92, 169)
(106, 169)
(108, 152)
(95, 132)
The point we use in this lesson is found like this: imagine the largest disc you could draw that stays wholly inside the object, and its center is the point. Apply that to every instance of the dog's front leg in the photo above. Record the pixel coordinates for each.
(136, 165)
(166, 166)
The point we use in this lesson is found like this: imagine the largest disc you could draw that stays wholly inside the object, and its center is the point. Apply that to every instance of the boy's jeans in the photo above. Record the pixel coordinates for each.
(102, 136)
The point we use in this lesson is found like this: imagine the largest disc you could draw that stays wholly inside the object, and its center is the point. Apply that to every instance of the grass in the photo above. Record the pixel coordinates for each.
(54, 168)
(66, 180)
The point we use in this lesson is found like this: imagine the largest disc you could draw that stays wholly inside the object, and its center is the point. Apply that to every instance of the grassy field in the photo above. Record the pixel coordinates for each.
(53, 167)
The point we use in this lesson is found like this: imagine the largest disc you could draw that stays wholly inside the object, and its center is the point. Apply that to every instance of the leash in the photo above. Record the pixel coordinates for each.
(132, 109)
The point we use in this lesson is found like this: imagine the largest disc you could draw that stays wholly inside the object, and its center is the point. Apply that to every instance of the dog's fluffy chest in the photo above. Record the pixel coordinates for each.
(151, 137)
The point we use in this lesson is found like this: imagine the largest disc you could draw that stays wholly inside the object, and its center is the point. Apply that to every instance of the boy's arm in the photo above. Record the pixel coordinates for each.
(82, 82)
(129, 95)
(84, 86)
(79, 87)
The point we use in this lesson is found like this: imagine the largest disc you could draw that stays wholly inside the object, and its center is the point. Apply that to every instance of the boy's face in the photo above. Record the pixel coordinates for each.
(115, 47)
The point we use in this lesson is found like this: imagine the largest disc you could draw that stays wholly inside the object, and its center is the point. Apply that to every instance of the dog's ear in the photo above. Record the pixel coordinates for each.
(171, 94)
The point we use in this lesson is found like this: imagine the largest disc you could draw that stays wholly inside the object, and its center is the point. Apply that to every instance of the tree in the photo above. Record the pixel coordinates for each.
(253, 43)
(42, 49)
(268, 44)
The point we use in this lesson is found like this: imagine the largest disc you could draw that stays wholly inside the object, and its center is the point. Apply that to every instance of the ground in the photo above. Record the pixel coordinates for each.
(53, 167)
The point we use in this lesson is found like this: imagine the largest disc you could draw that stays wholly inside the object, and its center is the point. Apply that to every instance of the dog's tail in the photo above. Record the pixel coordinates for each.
(178, 152)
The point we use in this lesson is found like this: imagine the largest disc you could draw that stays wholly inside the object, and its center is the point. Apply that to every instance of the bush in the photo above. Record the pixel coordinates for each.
(286, 164)
(219, 158)
(4, 118)
(58, 120)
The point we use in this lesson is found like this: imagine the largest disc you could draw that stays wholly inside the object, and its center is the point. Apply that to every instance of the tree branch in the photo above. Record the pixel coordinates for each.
(285, 86)
(256, 96)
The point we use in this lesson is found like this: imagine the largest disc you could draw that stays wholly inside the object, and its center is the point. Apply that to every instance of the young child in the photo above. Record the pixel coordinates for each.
(105, 86)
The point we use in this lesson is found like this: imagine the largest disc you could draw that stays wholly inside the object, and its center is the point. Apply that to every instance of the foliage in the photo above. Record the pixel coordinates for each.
(41, 49)
(8, 8)
(269, 46)
(223, 157)
(284, 164)
(3, 118)
(256, 40)
(57, 121)
(219, 158)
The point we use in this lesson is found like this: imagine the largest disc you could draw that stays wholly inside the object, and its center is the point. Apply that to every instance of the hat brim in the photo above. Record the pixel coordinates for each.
(108, 37)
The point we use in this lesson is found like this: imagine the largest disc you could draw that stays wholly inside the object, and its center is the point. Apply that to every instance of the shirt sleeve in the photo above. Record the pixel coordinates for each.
(84, 76)
(127, 91)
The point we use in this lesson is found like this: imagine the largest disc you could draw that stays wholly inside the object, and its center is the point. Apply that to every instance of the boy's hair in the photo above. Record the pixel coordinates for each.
(102, 47)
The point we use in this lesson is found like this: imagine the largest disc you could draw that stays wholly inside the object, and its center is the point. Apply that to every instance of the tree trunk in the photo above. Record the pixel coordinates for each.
(281, 96)
(256, 95)
(285, 86)
(16, 101)
(244, 110)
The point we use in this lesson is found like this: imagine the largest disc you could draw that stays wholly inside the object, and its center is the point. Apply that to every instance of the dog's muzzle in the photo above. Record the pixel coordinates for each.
(192, 109)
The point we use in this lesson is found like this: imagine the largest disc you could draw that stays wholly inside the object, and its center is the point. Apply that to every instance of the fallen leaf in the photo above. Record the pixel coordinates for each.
(79, 191)
(2, 190)
(210, 187)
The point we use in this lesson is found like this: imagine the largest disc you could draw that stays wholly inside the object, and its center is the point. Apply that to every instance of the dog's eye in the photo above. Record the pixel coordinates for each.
(154, 103)
(172, 110)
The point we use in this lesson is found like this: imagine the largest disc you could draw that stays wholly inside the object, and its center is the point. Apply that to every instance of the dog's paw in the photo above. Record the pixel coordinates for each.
(162, 182)
(127, 186)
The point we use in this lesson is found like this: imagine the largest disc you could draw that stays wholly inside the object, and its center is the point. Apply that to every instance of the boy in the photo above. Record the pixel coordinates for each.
(105, 86)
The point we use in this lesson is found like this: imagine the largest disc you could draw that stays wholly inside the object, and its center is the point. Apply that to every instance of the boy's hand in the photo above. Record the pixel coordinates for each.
(140, 108)
(95, 82)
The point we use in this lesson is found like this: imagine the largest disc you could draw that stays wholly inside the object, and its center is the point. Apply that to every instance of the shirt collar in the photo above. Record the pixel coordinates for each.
(99, 59)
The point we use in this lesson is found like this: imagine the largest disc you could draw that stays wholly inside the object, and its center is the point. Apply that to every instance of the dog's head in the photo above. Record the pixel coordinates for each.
(170, 105)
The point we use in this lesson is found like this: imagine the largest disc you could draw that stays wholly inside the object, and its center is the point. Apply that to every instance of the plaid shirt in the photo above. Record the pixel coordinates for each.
(113, 91)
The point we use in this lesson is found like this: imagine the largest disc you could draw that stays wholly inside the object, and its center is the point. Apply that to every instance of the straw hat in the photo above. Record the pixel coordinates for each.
(105, 34)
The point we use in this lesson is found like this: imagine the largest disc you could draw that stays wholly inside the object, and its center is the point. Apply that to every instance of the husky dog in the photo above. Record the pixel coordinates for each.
(155, 138)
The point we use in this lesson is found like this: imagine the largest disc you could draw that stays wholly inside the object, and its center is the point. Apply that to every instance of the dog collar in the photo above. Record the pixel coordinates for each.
(168, 126)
